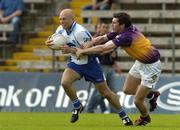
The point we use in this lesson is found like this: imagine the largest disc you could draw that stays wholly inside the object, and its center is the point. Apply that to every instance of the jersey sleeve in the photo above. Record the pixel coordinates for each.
(82, 36)
(111, 35)
(123, 40)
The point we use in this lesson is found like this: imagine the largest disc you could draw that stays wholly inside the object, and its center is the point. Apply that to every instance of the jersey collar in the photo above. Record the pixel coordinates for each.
(71, 28)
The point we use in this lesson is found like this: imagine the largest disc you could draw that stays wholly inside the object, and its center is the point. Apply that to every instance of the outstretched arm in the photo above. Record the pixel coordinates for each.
(99, 49)
(95, 41)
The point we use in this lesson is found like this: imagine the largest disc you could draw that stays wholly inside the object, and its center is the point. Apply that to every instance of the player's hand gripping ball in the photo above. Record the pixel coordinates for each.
(57, 41)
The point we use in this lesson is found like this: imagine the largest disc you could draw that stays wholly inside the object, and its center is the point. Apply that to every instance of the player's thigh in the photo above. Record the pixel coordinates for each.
(131, 84)
(69, 76)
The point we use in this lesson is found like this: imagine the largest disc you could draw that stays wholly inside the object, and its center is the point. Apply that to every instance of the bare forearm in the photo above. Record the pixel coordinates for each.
(93, 50)
(96, 41)
(99, 40)
(16, 13)
(100, 49)
(107, 51)
(73, 50)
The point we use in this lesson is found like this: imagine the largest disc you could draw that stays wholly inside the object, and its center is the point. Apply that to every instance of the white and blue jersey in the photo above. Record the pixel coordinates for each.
(87, 66)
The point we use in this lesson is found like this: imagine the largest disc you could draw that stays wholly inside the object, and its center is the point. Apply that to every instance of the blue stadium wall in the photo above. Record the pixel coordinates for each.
(41, 92)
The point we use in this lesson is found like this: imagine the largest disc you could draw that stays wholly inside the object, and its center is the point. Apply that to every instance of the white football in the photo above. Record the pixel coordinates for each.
(58, 40)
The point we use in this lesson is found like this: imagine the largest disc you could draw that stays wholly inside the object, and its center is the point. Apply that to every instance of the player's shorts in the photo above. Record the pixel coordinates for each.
(148, 73)
(91, 71)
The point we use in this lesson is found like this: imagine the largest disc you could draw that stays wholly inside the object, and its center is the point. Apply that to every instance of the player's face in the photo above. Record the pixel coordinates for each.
(116, 27)
(65, 20)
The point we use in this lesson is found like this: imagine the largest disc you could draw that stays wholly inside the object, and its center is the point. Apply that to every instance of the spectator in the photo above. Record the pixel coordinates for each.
(97, 5)
(97, 30)
(10, 12)
(107, 61)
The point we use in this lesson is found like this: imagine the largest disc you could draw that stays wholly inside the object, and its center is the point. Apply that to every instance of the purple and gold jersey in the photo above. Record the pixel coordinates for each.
(135, 44)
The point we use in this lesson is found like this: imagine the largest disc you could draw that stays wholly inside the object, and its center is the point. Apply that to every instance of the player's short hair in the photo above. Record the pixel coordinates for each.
(123, 18)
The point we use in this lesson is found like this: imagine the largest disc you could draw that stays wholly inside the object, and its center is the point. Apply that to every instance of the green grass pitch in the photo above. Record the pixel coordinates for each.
(60, 121)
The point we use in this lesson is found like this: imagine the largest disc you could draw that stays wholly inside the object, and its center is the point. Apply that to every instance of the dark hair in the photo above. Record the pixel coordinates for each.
(123, 18)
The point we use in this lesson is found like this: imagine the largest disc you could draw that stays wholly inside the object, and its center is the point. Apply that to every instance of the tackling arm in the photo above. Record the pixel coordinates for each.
(96, 41)
(99, 49)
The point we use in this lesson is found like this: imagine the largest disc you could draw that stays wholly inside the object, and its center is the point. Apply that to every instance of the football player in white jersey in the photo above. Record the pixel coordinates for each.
(87, 66)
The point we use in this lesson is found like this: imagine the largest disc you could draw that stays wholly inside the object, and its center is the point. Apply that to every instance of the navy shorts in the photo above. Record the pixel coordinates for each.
(91, 71)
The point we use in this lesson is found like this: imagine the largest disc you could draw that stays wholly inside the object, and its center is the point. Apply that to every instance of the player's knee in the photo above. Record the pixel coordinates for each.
(65, 84)
(104, 93)
(129, 91)
(126, 91)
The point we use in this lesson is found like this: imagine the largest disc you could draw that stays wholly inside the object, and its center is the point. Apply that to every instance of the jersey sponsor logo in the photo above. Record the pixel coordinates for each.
(170, 97)
(117, 37)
